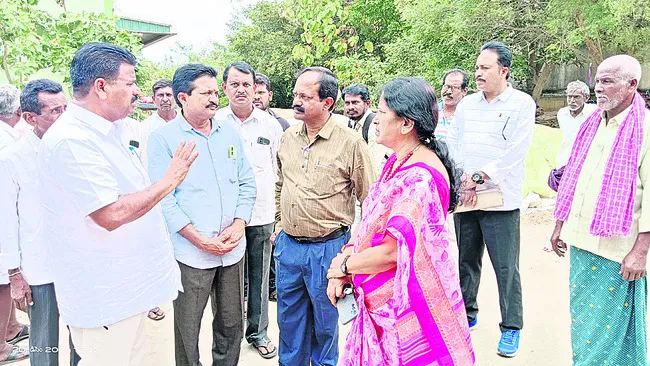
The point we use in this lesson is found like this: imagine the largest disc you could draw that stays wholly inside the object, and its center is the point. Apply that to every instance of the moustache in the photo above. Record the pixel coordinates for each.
(212, 105)
(447, 95)
(299, 109)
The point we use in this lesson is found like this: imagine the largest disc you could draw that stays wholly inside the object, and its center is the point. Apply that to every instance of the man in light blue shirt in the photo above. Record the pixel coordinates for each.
(206, 216)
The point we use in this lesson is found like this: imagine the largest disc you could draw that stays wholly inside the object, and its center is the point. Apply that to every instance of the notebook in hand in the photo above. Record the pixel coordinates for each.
(488, 195)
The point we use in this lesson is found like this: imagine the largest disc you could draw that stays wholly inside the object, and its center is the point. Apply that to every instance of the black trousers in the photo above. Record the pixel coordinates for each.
(258, 259)
(499, 232)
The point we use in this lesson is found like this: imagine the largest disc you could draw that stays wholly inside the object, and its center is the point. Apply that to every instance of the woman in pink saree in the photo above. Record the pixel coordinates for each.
(404, 272)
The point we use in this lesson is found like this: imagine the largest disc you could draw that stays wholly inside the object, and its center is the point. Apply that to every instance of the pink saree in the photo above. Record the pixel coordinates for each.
(413, 314)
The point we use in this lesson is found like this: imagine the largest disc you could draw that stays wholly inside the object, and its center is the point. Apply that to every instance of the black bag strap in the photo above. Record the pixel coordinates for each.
(366, 126)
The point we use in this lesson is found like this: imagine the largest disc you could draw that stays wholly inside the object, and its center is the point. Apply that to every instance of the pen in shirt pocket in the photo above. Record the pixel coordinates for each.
(504, 128)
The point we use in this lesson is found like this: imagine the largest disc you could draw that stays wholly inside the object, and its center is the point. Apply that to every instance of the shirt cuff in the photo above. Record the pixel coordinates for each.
(11, 260)
(492, 171)
(644, 223)
(177, 221)
(103, 201)
(244, 212)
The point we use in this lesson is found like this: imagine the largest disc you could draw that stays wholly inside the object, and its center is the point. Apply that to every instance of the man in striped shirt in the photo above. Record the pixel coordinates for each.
(489, 139)
(454, 88)
(323, 167)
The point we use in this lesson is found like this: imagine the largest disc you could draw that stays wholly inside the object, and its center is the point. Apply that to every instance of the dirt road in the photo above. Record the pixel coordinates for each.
(545, 337)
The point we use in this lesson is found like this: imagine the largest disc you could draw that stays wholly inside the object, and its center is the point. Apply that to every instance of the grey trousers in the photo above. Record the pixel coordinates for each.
(225, 286)
(44, 328)
(499, 232)
(258, 259)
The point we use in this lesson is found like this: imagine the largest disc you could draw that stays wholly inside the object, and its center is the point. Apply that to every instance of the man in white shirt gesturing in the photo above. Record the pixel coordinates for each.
(112, 259)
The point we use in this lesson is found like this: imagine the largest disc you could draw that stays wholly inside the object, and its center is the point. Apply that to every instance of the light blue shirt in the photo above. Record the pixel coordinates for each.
(219, 187)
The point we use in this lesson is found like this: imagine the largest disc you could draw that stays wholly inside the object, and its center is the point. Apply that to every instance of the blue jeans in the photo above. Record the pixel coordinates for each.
(308, 321)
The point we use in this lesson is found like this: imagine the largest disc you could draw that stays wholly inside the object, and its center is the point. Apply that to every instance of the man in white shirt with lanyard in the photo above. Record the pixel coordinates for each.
(112, 259)
(25, 243)
(489, 139)
(260, 133)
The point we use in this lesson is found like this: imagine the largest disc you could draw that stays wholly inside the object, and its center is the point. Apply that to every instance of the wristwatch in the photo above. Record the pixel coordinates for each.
(477, 178)
(344, 265)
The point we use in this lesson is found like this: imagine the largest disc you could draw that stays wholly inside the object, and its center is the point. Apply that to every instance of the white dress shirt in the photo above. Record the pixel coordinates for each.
(494, 138)
(260, 134)
(101, 277)
(23, 241)
(130, 134)
(570, 126)
(8, 135)
(149, 125)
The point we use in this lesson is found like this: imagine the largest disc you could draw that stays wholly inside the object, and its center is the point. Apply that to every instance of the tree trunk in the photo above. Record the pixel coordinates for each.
(542, 80)
(5, 54)
(594, 50)
(62, 4)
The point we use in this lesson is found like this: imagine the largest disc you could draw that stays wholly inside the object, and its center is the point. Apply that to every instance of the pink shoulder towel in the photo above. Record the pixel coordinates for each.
(614, 211)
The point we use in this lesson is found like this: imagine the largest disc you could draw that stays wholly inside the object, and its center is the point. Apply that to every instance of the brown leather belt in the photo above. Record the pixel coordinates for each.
(321, 239)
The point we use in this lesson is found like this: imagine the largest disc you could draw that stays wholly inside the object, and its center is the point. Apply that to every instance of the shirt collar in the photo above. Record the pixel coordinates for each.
(253, 116)
(357, 124)
(504, 96)
(617, 119)
(10, 130)
(325, 131)
(95, 121)
(186, 126)
(33, 140)
(583, 112)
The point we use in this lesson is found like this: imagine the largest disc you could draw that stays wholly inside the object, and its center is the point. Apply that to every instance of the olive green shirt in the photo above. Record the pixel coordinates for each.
(318, 183)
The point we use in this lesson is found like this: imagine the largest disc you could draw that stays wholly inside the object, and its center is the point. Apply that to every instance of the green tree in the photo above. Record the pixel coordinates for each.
(264, 36)
(593, 30)
(33, 40)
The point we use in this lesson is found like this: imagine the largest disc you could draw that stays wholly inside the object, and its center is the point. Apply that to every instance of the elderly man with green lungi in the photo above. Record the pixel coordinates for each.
(603, 213)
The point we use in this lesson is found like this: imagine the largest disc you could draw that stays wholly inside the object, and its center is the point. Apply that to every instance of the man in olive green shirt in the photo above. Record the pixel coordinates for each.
(320, 165)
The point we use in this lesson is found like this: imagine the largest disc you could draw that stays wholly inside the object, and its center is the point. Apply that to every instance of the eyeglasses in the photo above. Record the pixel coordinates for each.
(451, 87)
(302, 97)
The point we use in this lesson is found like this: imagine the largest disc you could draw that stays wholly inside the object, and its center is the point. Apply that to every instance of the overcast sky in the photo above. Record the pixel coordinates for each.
(196, 22)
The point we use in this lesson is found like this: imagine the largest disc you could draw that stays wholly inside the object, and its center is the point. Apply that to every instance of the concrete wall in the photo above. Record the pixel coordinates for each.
(563, 75)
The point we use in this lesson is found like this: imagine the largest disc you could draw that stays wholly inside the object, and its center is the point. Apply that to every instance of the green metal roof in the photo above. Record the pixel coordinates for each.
(151, 32)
